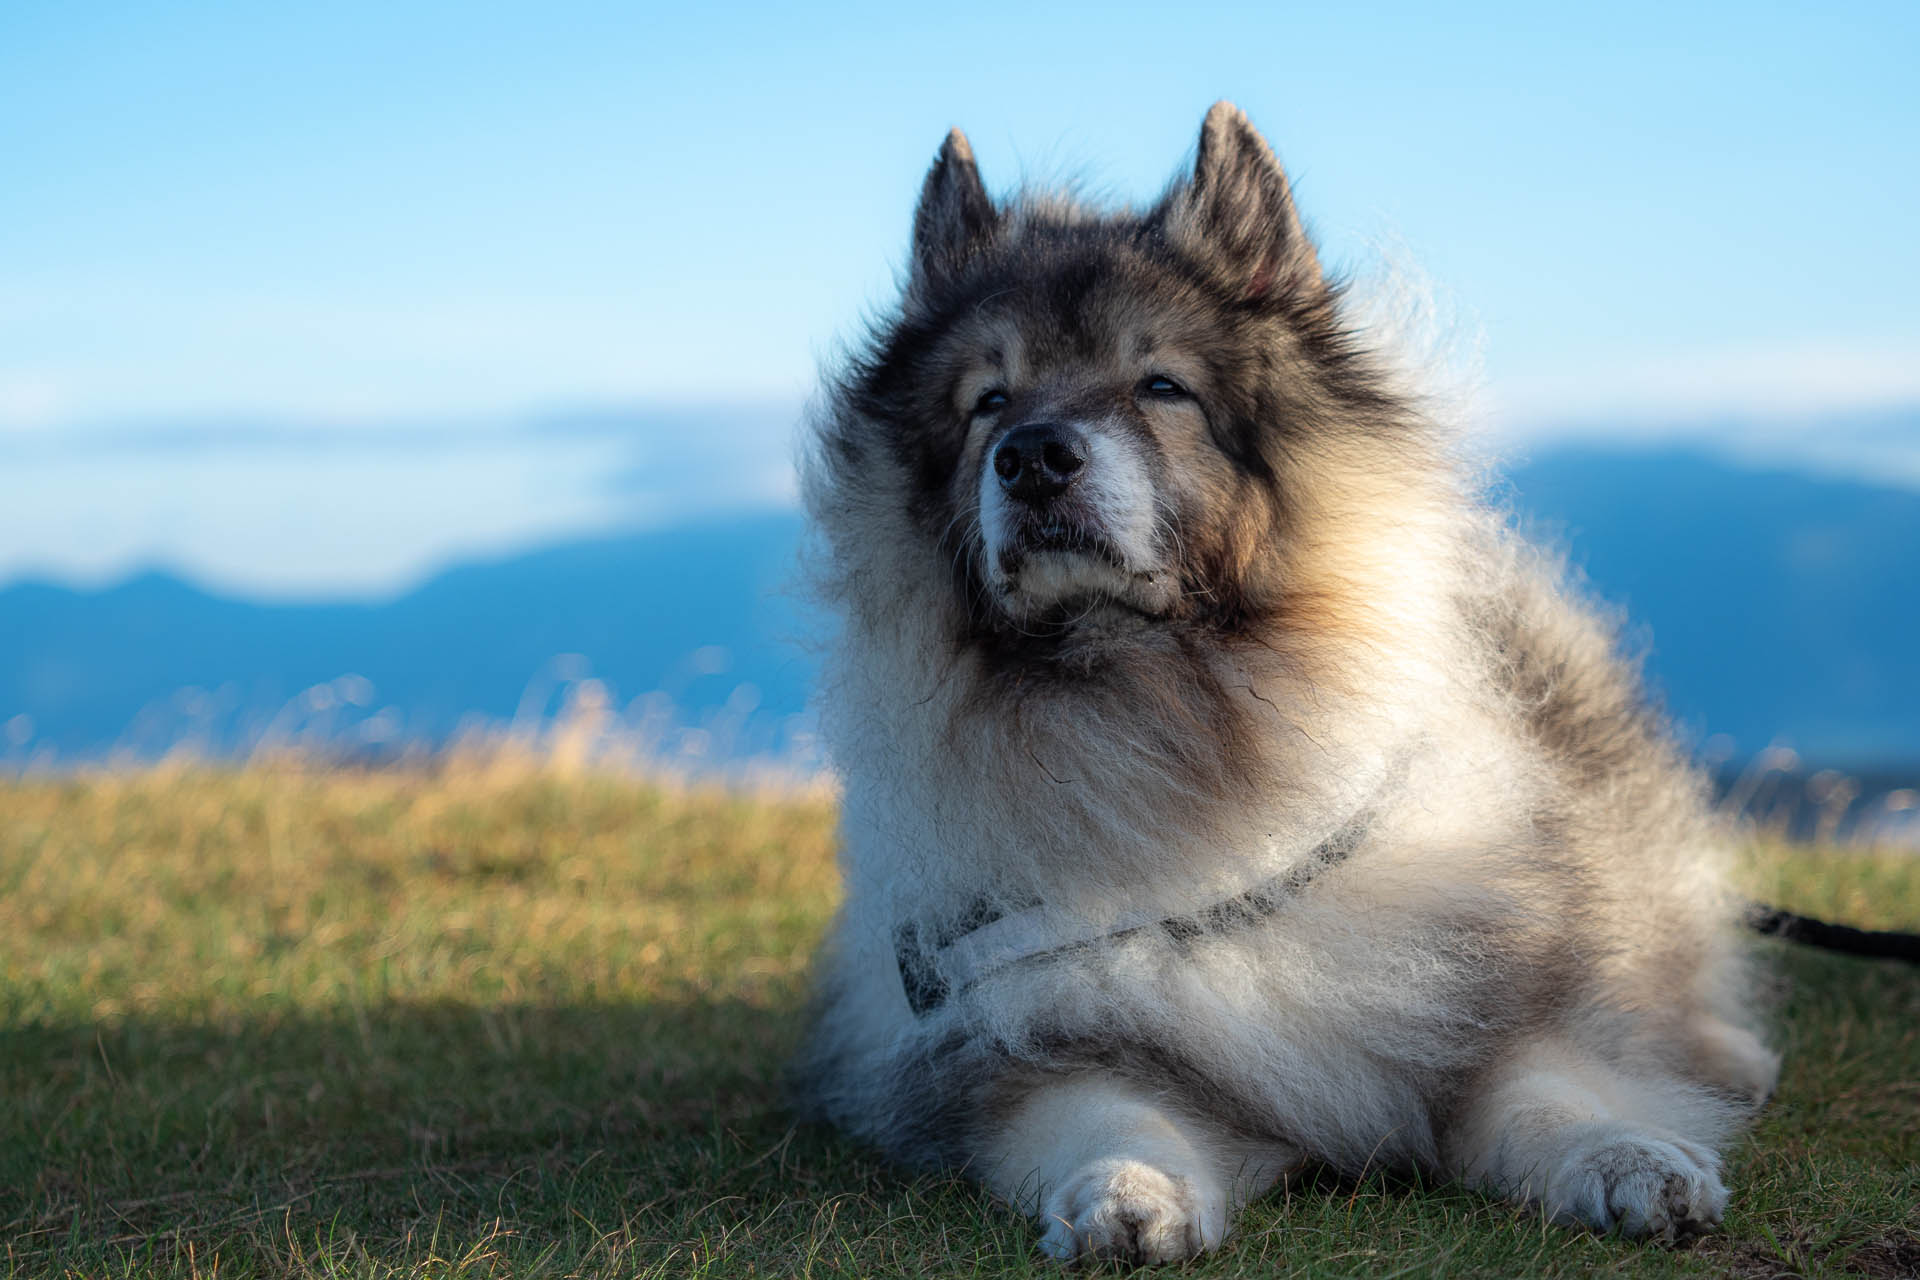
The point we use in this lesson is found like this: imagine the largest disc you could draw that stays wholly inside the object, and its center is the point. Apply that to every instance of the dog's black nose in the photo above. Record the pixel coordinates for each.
(1038, 461)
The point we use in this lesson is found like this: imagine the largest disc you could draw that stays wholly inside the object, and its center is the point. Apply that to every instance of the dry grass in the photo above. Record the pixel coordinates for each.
(488, 1022)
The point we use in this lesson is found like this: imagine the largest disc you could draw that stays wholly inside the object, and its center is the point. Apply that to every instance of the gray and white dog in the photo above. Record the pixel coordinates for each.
(1225, 787)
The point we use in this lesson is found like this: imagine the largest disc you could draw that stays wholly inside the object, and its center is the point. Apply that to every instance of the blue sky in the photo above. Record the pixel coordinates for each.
(435, 215)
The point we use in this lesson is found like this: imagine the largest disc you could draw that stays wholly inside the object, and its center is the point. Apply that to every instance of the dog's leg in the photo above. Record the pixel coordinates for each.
(1736, 1059)
(1110, 1173)
(1556, 1129)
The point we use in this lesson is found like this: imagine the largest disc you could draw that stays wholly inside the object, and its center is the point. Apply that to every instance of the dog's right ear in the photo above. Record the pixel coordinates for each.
(955, 214)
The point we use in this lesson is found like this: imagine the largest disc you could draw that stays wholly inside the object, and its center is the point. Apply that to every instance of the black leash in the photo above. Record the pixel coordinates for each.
(1878, 944)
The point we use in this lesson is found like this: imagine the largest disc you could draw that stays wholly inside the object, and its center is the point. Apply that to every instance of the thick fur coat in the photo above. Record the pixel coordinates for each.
(1225, 786)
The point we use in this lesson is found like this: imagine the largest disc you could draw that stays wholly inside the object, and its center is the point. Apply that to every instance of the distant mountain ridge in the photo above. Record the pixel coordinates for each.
(1772, 605)
(695, 612)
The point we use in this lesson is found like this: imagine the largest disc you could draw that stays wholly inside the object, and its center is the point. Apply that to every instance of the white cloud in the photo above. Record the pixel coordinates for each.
(1849, 410)
(303, 510)
(1644, 399)
(30, 401)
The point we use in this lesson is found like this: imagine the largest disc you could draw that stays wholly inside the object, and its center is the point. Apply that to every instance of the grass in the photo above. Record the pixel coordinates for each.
(278, 1022)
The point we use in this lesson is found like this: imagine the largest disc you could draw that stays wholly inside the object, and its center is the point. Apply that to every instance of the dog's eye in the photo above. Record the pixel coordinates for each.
(990, 402)
(1162, 387)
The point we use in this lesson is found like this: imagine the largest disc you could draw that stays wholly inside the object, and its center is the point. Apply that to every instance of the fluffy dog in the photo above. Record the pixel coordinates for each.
(1225, 786)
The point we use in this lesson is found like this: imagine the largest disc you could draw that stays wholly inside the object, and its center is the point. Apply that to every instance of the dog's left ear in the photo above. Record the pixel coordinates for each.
(955, 213)
(1237, 210)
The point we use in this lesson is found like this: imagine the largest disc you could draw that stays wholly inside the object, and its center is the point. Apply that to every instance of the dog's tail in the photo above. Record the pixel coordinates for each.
(1776, 923)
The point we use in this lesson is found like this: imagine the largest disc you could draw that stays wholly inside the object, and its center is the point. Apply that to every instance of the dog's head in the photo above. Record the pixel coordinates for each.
(1100, 413)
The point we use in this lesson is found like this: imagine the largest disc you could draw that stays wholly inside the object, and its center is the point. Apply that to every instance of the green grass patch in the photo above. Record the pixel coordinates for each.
(476, 1024)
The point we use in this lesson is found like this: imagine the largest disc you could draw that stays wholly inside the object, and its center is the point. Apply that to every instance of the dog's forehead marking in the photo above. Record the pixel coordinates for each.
(1103, 319)
(1105, 353)
(984, 345)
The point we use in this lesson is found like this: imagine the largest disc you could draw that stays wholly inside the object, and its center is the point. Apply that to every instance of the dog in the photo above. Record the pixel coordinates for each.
(1226, 786)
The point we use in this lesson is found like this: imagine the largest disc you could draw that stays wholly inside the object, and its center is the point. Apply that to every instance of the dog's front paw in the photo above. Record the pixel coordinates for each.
(1645, 1186)
(1130, 1211)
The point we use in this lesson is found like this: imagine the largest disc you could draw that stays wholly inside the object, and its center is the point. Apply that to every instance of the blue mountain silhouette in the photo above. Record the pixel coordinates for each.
(1770, 604)
(696, 611)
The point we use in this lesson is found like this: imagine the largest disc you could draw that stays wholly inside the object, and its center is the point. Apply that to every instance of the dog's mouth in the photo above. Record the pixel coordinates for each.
(1063, 538)
(1068, 570)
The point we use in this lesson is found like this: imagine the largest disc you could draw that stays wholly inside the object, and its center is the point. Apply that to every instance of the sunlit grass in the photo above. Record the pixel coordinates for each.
(482, 1021)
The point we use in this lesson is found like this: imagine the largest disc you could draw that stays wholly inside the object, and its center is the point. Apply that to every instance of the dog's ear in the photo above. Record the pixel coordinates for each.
(955, 213)
(1237, 211)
